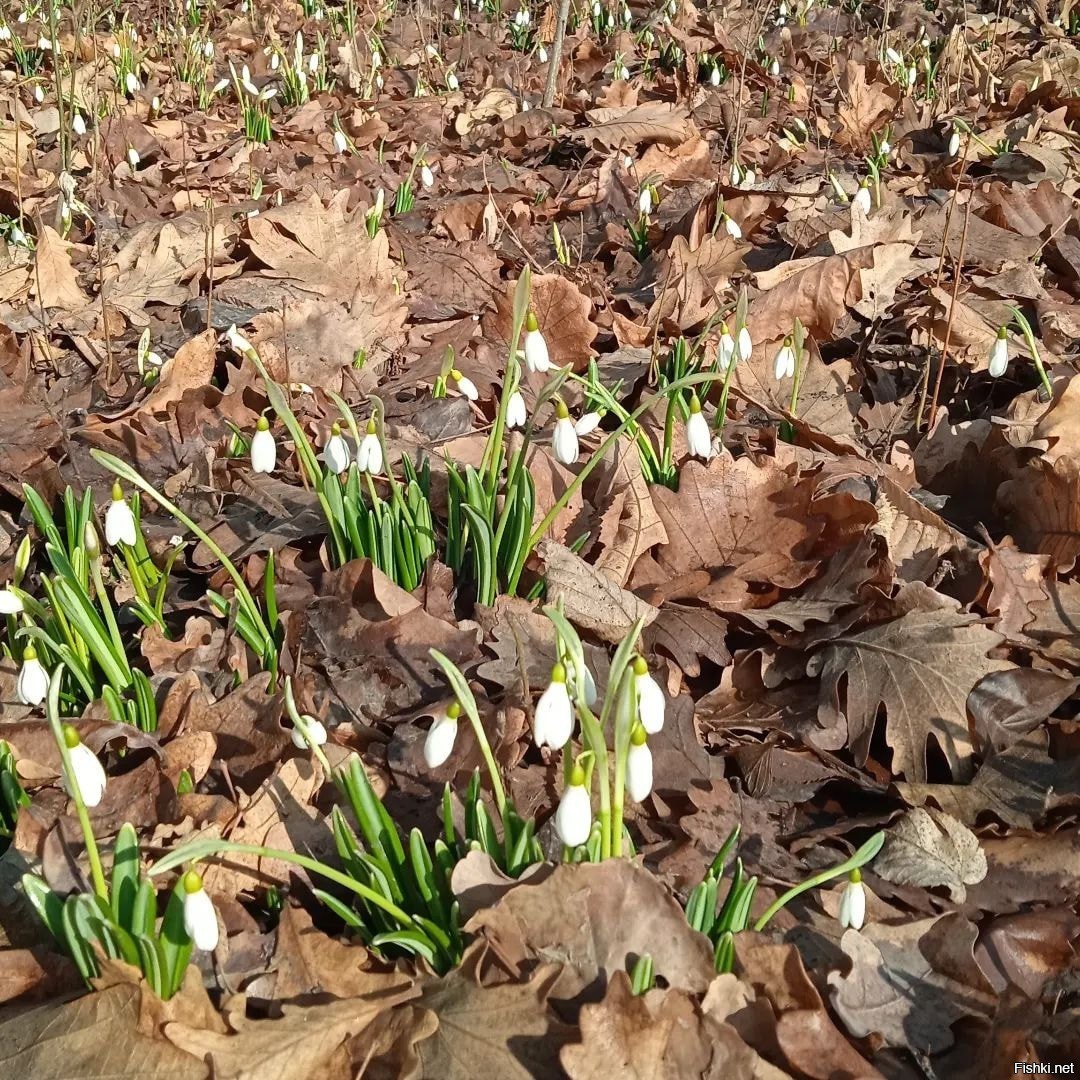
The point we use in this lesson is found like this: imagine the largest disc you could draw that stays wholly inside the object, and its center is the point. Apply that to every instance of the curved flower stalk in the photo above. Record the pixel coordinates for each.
(12, 796)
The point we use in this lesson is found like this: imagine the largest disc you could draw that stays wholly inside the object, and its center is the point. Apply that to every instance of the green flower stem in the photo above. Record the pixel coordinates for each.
(247, 601)
(721, 410)
(301, 724)
(861, 857)
(593, 735)
(625, 714)
(466, 700)
(609, 402)
(1033, 349)
(107, 610)
(52, 712)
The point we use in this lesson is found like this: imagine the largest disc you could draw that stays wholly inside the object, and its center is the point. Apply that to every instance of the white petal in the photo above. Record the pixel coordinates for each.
(369, 459)
(853, 906)
(341, 144)
(573, 818)
(516, 415)
(337, 455)
(439, 743)
(536, 352)
(698, 437)
(200, 920)
(89, 774)
(651, 703)
(316, 731)
(587, 424)
(553, 723)
(564, 442)
(10, 603)
(468, 388)
(639, 771)
(120, 524)
(263, 452)
(745, 344)
(33, 682)
(999, 357)
(725, 351)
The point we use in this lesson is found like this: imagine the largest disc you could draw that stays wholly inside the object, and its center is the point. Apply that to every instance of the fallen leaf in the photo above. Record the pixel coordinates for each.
(54, 281)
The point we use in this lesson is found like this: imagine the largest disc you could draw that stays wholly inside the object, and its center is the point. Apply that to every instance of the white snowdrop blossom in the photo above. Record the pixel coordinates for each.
(573, 818)
(120, 521)
(639, 766)
(732, 227)
(200, 917)
(542, 55)
(587, 424)
(33, 682)
(725, 349)
(39, 93)
(465, 385)
(698, 438)
(516, 416)
(336, 453)
(774, 67)
(237, 341)
(893, 56)
(553, 722)
(999, 354)
(10, 602)
(714, 76)
(954, 144)
(536, 350)
(651, 703)
(645, 201)
(131, 82)
(369, 457)
(87, 775)
(133, 158)
(564, 440)
(853, 903)
(451, 81)
(263, 448)
(78, 124)
(784, 363)
(439, 742)
(311, 731)
(341, 143)
(744, 344)
(862, 197)
(427, 177)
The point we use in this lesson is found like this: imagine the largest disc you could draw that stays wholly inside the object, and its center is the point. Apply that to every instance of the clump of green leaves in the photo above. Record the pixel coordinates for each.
(12, 796)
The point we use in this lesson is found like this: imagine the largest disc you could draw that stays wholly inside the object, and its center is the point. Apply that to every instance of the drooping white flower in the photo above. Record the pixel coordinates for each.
(246, 83)
(237, 341)
(731, 227)
(33, 682)
(10, 602)
(208, 49)
(564, 440)
(311, 732)
(651, 702)
(119, 520)
(553, 722)
(853, 902)
(893, 56)
(774, 67)
(573, 818)
(451, 81)
(341, 143)
(749, 178)
(87, 775)
(369, 457)
(735, 174)
(465, 385)
(542, 55)
(457, 13)
(698, 438)
(954, 144)
(639, 765)
(133, 158)
(78, 124)
(200, 917)
(155, 105)
(744, 344)
(427, 177)
(131, 82)
(536, 350)
(336, 453)
(862, 196)
(588, 423)
(39, 93)
(376, 59)
(714, 76)
(263, 448)
(999, 353)
(645, 201)
(5, 32)
(784, 363)
(439, 742)
(725, 348)
(516, 415)
(885, 148)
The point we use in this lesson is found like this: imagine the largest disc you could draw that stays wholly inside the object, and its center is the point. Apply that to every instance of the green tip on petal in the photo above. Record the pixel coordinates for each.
(558, 673)
(117, 492)
(530, 323)
(335, 429)
(371, 429)
(638, 736)
(640, 665)
(1002, 333)
(192, 882)
(724, 328)
(263, 424)
(453, 710)
(561, 411)
(577, 776)
(455, 375)
(29, 653)
(71, 736)
(855, 877)
(695, 405)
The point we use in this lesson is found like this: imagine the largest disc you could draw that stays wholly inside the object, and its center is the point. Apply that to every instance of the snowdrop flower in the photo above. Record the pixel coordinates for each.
(267, 93)
(336, 453)
(515, 411)
(39, 93)
(378, 82)
(87, 776)
(553, 722)
(885, 148)
(597, 10)
(457, 13)
(119, 520)
(564, 440)
(451, 81)
(954, 144)
(651, 702)
(78, 124)
(784, 363)
(645, 201)
(735, 174)
(220, 85)
(376, 59)
(5, 32)
(749, 178)
(33, 682)
(44, 44)
(542, 55)
(639, 766)
(725, 349)
(853, 902)
(912, 75)
(237, 341)
(893, 56)
(246, 83)
(369, 458)
(611, 20)
(774, 67)
(714, 76)
(731, 227)
(313, 63)
(10, 602)
(465, 385)
(200, 918)
(311, 732)
(620, 71)
(155, 105)
(131, 82)
(427, 177)
(999, 353)
(588, 423)
(536, 350)
(698, 439)
(862, 196)
(275, 61)
(133, 158)
(208, 49)
(341, 144)
(744, 344)
(573, 818)
(263, 448)
(439, 743)
(588, 690)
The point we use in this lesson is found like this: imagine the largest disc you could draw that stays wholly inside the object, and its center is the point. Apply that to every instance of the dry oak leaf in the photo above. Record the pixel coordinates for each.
(591, 599)
(192, 366)
(1043, 503)
(921, 666)
(865, 105)
(734, 514)
(929, 848)
(562, 313)
(54, 281)
(655, 1036)
(1017, 581)
(691, 284)
(625, 126)
(93, 1038)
